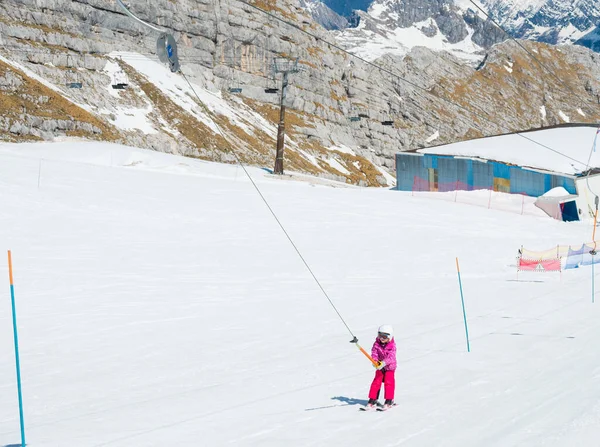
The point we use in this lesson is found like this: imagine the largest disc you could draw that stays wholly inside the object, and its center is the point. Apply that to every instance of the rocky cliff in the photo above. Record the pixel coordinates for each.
(345, 119)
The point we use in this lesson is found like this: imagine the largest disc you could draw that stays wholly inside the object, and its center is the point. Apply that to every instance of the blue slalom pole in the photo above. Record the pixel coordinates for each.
(463, 306)
(593, 287)
(16, 337)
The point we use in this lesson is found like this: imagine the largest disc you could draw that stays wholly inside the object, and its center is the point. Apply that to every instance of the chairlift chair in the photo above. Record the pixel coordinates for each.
(271, 87)
(72, 79)
(118, 82)
(354, 116)
(388, 120)
(271, 84)
(362, 111)
(234, 83)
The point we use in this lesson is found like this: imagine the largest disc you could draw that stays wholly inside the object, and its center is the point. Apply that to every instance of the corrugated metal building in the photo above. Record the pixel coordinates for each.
(429, 172)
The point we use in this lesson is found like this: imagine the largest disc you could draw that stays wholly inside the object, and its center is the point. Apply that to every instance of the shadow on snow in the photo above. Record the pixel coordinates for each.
(347, 401)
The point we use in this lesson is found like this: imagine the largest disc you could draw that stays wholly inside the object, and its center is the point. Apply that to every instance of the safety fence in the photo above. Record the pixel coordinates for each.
(585, 255)
(568, 256)
(560, 251)
(539, 265)
(482, 196)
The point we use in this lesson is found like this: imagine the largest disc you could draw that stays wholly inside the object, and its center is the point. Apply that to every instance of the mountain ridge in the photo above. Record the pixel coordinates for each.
(345, 118)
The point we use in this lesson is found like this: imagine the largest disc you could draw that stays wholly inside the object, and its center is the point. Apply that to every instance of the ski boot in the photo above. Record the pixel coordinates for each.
(389, 403)
(372, 405)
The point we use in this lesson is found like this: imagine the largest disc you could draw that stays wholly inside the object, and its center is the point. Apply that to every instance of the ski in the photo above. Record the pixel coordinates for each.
(367, 407)
(386, 407)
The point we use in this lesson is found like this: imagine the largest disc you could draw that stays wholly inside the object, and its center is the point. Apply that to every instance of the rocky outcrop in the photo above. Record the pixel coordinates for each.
(32, 111)
(551, 21)
(346, 119)
(324, 15)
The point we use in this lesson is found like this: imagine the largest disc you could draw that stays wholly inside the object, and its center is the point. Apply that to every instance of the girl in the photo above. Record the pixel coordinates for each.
(384, 353)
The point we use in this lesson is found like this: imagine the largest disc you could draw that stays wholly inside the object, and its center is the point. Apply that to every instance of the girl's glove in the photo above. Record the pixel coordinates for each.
(380, 365)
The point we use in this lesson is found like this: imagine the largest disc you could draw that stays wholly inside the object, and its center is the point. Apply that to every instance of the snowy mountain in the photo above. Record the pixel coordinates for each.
(86, 69)
(459, 26)
(324, 15)
(391, 26)
(550, 21)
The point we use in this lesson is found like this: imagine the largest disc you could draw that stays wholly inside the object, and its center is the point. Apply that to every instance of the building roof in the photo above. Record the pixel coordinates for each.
(564, 150)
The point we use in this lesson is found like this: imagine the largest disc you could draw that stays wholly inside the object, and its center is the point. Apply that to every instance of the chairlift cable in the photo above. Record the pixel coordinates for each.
(137, 19)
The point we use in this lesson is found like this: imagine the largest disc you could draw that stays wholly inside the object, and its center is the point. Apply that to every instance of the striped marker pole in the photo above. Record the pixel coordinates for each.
(463, 306)
(16, 337)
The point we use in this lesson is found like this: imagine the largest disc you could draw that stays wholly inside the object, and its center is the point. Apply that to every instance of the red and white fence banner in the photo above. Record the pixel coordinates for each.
(538, 265)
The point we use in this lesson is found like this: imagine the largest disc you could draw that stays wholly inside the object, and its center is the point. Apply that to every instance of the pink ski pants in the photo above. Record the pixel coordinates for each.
(389, 383)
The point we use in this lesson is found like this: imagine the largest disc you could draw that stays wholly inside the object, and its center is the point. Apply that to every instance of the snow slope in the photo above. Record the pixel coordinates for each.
(160, 304)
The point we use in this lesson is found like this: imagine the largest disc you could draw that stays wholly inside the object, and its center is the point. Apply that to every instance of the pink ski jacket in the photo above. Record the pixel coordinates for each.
(385, 352)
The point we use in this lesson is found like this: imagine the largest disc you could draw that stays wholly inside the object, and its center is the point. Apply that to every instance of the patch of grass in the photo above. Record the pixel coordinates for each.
(495, 85)
(315, 51)
(292, 117)
(308, 64)
(198, 133)
(361, 170)
(260, 147)
(271, 6)
(35, 99)
(195, 131)
(333, 95)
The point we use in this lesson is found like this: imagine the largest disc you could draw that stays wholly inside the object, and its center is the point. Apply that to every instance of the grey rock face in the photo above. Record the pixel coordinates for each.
(451, 25)
(336, 101)
(553, 16)
(324, 15)
(485, 33)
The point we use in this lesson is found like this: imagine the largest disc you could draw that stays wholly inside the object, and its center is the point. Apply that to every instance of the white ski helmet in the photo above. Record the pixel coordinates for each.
(386, 329)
